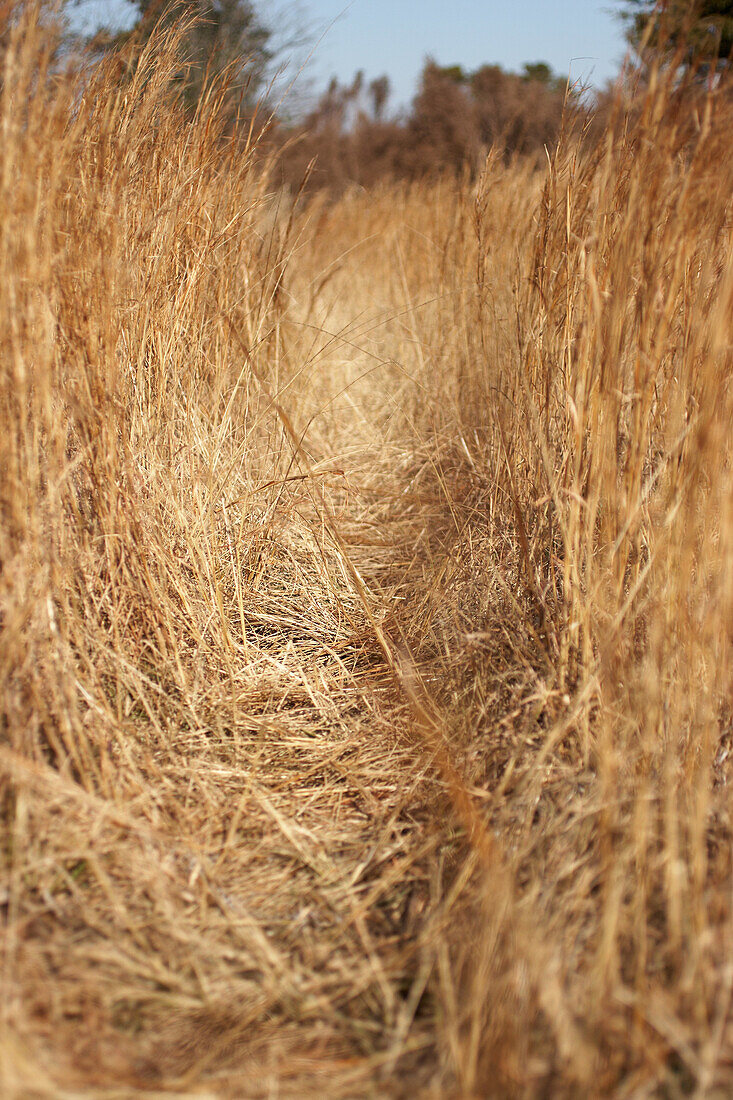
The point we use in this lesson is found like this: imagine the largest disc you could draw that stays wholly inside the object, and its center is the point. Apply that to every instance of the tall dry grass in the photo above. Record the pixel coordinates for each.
(365, 609)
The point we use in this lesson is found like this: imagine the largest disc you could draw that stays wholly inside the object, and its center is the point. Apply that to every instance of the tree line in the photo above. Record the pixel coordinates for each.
(351, 134)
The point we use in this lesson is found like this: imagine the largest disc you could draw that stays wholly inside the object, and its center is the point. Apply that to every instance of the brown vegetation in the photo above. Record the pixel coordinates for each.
(366, 605)
(455, 119)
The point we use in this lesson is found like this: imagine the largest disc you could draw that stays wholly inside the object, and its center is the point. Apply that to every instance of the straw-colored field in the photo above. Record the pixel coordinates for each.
(366, 609)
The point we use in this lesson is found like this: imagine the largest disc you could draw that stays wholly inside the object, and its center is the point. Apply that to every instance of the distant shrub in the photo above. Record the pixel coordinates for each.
(454, 119)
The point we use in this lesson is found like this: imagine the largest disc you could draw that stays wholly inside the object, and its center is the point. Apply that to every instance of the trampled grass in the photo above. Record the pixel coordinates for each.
(366, 604)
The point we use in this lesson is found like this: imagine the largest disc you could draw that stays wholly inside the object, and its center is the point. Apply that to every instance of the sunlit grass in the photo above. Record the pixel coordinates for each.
(366, 591)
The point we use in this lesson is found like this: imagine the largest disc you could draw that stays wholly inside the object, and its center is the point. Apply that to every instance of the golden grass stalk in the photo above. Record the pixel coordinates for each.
(365, 608)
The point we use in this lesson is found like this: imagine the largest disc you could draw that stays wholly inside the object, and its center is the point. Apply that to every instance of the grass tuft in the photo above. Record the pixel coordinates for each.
(366, 603)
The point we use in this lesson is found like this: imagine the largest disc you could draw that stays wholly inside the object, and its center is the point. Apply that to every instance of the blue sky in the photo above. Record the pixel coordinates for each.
(394, 36)
(580, 37)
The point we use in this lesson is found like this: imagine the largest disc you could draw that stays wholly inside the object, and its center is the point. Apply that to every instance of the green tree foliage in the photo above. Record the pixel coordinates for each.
(216, 36)
(703, 29)
(456, 73)
(537, 70)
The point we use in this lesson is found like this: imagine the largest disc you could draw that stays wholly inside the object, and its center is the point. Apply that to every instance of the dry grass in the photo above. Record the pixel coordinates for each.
(366, 604)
